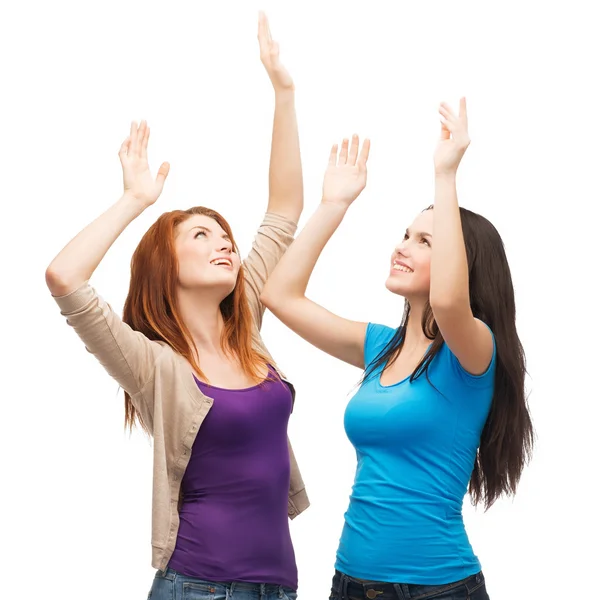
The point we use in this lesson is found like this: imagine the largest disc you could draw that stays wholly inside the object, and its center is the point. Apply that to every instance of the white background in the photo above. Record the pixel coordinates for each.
(76, 490)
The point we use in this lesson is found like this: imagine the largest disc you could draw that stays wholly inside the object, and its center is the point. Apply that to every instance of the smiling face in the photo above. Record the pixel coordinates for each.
(206, 255)
(409, 274)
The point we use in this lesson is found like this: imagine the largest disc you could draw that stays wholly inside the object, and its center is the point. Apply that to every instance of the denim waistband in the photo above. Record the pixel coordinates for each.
(344, 586)
(262, 588)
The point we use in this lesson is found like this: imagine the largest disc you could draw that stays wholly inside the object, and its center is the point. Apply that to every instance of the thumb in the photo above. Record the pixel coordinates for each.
(124, 148)
(162, 175)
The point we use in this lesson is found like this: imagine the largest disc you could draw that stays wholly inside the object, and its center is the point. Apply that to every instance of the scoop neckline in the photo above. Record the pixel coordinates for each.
(392, 385)
(221, 389)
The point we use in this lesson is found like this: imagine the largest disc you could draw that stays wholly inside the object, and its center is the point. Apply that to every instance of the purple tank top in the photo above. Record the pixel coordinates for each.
(233, 520)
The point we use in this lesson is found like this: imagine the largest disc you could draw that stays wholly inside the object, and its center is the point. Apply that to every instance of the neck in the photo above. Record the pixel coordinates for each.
(201, 315)
(414, 333)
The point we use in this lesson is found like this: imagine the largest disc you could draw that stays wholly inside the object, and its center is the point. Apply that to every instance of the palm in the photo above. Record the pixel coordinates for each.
(343, 182)
(346, 174)
(138, 181)
(454, 138)
(446, 154)
(270, 56)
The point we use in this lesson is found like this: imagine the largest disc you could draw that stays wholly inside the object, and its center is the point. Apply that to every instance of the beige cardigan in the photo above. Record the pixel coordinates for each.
(161, 384)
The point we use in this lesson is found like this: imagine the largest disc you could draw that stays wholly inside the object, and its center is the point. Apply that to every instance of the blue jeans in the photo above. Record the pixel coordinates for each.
(350, 588)
(171, 585)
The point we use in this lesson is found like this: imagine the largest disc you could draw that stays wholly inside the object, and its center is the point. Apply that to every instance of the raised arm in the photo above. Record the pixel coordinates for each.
(469, 338)
(127, 355)
(286, 173)
(284, 293)
(78, 260)
(285, 202)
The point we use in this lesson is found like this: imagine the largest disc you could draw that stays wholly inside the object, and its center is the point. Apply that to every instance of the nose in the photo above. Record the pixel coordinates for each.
(225, 246)
(401, 248)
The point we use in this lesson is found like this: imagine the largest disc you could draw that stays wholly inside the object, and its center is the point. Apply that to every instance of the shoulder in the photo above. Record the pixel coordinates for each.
(376, 338)
(452, 364)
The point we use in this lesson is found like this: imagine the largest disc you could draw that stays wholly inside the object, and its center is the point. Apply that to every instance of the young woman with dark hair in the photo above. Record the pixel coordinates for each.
(441, 404)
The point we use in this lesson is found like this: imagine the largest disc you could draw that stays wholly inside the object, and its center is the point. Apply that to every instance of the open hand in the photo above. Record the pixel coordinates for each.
(454, 139)
(346, 174)
(269, 53)
(138, 182)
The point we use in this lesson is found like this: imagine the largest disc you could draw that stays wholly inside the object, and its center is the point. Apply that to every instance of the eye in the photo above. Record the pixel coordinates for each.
(199, 233)
(406, 237)
(425, 241)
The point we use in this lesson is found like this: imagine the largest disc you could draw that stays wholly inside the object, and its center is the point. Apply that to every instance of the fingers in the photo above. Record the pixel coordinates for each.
(452, 124)
(446, 111)
(447, 119)
(463, 109)
(162, 175)
(343, 152)
(364, 153)
(349, 153)
(264, 35)
(137, 141)
(261, 28)
(353, 154)
(268, 32)
(333, 155)
(133, 138)
(445, 132)
(144, 151)
(141, 136)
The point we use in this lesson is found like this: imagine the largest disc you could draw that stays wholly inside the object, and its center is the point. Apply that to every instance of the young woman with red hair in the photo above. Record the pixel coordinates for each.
(195, 372)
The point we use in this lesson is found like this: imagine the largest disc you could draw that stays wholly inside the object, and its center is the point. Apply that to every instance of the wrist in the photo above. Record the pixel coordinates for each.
(445, 176)
(132, 203)
(284, 95)
(335, 208)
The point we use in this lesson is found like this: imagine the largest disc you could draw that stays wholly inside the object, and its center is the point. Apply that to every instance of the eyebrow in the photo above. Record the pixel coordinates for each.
(204, 228)
(420, 233)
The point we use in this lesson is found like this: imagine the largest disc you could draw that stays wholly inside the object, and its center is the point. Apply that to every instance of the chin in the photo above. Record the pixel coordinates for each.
(222, 285)
(394, 287)
(229, 285)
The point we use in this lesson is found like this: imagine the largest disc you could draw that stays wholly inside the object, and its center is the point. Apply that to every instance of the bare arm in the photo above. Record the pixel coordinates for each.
(127, 355)
(285, 202)
(286, 173)
(78, 260)
(284, 293)
(469, 338)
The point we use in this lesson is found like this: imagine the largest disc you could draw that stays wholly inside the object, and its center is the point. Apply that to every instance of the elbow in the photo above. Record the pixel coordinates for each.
(53, 278)
(275, 297)
(268, 298)
(449, 308)
(448, 302)
(57, 281)
(440, 303)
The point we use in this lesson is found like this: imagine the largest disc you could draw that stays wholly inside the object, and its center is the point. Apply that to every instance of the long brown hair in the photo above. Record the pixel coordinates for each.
(151, 306)
(507, 438)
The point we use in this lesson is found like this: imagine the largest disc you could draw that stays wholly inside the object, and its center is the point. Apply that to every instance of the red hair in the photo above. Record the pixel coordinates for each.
(151, 306)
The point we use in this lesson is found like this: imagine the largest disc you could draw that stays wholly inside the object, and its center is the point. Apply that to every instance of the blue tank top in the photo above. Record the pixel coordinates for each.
(416, 447)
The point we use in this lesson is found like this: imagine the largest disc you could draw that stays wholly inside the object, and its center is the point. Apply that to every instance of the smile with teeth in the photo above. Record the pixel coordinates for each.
(398, 267)
(222, 261)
